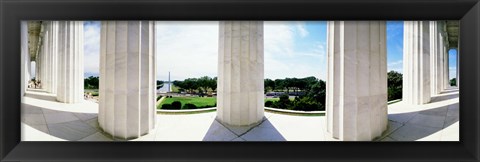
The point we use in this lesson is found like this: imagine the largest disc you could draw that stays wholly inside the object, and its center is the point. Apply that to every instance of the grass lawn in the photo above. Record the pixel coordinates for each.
(276, 99)
(197, 101)
(175, 88)
(394, 101)
(271, 99)
(93, 91)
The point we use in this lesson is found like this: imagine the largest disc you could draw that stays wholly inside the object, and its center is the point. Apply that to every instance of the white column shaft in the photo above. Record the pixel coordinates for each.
(44, 61)
(47, 51)
(240, 73)
(439, 54)
(51, 46)
(53, 56)
(24, 53)
(458, 63)
(446, 68)
(38, 62)
(357, 79)
(433, 57)
(70, 62)
(127, 78)
(416, 62)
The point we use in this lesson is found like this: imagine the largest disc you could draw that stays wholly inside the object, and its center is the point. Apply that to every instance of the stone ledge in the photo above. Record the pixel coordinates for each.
(190, 111)
(295, 112)
(267, 109)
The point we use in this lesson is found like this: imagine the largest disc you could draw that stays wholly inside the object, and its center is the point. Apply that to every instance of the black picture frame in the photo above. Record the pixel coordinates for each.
(13, 11)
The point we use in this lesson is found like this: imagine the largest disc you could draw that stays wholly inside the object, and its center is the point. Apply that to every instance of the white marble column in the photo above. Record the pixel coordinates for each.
(29, 66)
(440, 57)
(70, 62)
(416, 62)
(38, 63)
(447, 68)
(52, 53)
(46, 83)
(24, 53)
(51, 45)
(458, 63)
(356, 80)
(44, 59)
(433, 57)
(240, 99)
(127, 78)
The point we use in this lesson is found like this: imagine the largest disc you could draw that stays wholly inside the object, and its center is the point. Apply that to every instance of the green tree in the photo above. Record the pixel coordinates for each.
(159, 84)
(453, 82)
(191, 84)
(317, 92)
(394, 82)
(284, 101)
(179, 84)
(269, 85)
(213, 84)
(279, 84)
(204, 83)
(91, 82)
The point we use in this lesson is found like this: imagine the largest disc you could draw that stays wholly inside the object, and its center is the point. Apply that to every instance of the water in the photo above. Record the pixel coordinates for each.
(165, 87)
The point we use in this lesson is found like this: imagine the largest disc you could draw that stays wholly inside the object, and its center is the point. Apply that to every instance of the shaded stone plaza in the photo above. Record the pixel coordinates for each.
(356, 87)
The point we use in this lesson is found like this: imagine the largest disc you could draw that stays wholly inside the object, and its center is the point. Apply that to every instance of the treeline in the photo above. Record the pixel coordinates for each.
(309, 87)
(290, 84)
(312, 96)
(197, 85)
(91, 82)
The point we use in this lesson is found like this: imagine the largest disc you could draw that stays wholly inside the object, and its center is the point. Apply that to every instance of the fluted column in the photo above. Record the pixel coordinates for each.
(127, 78)
(38, 62)
(44, 58)
(440, 52)
(52, 56)
(433, 57)
(458, 63)
(24, 53)
(446, 68)
(416, 62)
(356, 80)
(51, 49)
(70, 62)
(47, 55)
(240, 73)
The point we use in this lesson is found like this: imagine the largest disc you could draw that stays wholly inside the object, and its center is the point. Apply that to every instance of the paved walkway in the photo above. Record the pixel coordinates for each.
(435, 121)
(44, 119)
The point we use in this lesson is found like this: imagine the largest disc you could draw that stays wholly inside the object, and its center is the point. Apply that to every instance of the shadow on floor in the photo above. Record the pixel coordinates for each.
(427, 122)
(263, 131)
(66, 125)
(42, 96)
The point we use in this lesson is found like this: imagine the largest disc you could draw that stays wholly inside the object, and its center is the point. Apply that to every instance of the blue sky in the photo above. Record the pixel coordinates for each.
(395, 46)
(292, 49)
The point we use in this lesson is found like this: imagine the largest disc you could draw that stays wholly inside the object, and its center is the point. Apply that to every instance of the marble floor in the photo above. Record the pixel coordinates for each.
(44, 119)
(435, 121)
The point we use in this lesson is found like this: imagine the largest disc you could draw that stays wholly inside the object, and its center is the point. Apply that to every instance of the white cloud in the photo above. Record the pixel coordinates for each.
(278, 38)
(190, 49)
(452, 72)
(187, 49)
(395, 66)
(301, 28)
(92, 48)
(283, 60)
(396, 63)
